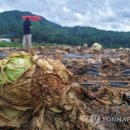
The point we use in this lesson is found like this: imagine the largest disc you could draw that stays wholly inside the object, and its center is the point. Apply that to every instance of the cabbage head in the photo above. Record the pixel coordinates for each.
(13, 67)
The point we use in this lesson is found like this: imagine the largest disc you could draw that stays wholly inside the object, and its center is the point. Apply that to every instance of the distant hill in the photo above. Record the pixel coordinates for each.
(46, 31)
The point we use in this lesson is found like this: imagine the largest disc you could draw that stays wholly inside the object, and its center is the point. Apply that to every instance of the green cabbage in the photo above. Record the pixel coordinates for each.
(14, 67)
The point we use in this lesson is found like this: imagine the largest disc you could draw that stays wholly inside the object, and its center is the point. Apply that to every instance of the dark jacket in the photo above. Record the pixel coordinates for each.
(26, 27)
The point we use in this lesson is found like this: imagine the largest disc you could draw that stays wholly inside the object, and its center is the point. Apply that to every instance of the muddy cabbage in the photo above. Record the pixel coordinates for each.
(96, 47)
(29, 82)
(15, 80)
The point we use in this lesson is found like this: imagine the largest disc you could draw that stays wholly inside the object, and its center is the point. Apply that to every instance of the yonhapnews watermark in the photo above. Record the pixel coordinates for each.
(96, 119)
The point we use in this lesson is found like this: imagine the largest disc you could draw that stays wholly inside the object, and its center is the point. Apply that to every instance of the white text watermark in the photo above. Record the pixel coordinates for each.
(96, 119)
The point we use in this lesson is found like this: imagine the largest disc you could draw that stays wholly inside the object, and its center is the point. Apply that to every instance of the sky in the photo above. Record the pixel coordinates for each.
(103, 14)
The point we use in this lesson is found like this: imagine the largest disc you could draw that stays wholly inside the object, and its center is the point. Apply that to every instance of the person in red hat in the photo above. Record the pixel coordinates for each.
(27, 35)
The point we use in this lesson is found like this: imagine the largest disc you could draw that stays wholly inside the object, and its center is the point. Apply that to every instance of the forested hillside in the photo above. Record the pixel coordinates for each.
(46, 31)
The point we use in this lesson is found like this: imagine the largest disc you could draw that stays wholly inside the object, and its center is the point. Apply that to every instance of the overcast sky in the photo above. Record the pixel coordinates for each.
(102, 14)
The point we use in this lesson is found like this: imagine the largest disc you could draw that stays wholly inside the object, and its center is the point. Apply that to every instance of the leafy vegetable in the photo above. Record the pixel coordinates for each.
(14, 67)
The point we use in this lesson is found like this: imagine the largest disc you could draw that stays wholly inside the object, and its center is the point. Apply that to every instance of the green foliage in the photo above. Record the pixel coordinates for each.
(4, 44)
(46, 31)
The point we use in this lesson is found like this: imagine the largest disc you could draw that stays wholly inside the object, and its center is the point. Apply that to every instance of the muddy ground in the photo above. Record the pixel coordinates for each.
(104, 81)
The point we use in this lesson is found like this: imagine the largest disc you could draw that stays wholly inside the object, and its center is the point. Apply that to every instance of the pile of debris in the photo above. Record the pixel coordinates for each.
(37, 93)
